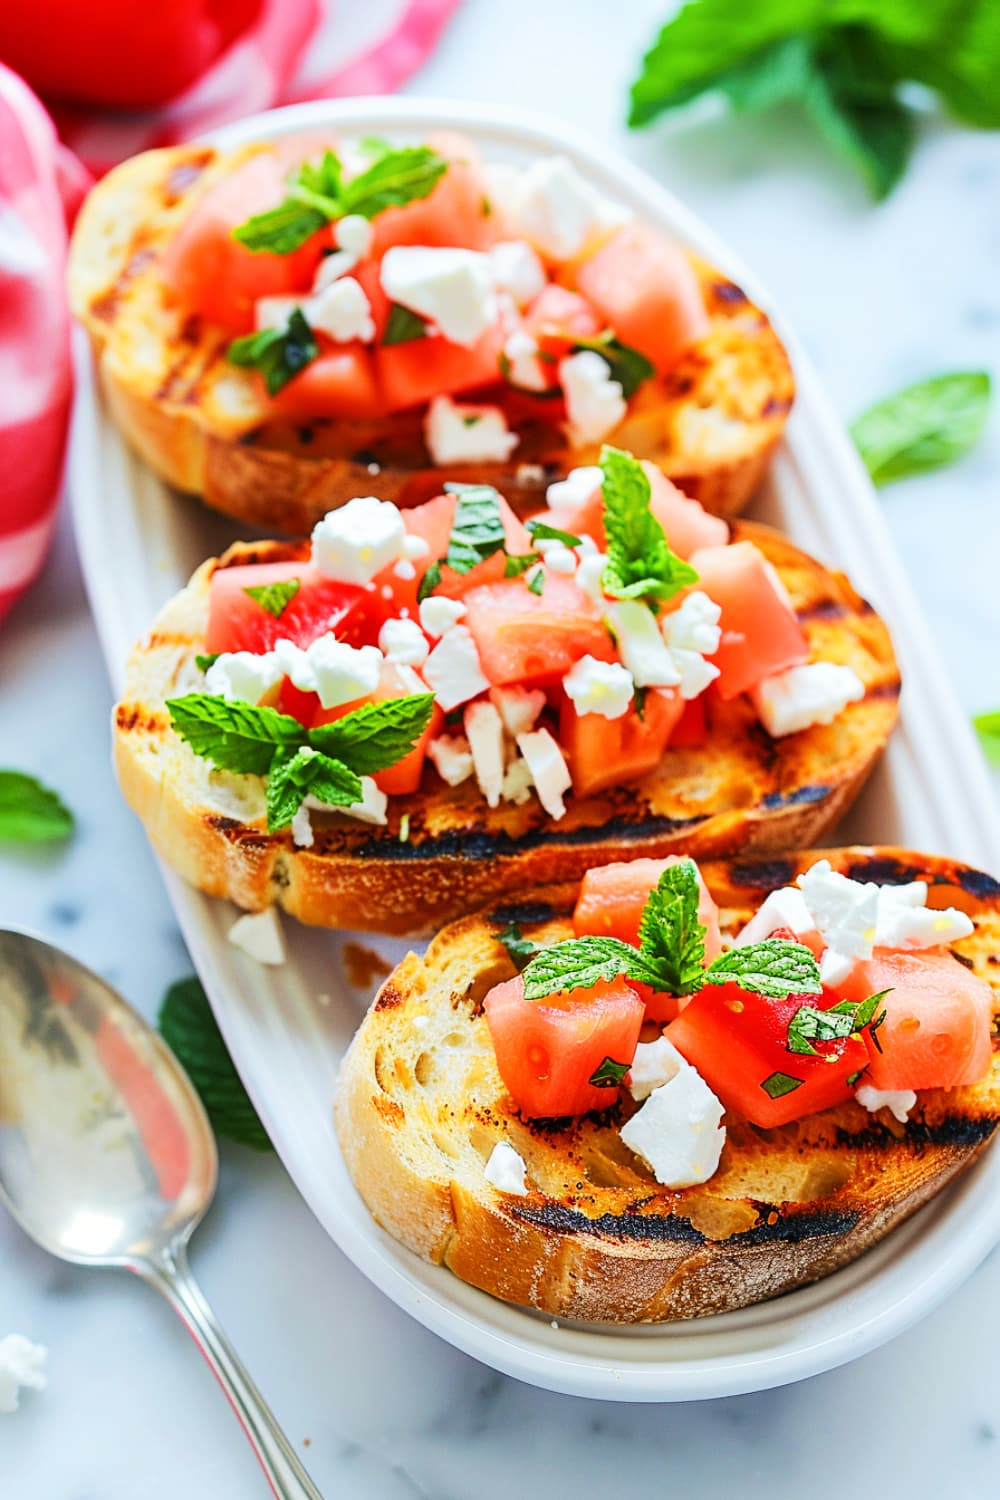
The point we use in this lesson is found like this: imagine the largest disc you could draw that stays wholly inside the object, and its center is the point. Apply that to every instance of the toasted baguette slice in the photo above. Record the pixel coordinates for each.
(743, 790)
(420, 1106)
(202, 424)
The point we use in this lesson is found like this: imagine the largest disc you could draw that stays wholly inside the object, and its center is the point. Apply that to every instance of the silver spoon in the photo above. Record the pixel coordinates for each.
(107, 1157)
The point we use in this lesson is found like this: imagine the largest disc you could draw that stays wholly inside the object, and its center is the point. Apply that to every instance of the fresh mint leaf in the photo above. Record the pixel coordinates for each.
(374, 737)
(279, 354)
(282, 229)
(640, 561)
(609, 1074)
(31, 813)
(810, 1024)
(519, 948)
(403, 326)
(189, 1029)
(671, 953)
(776, 1085)
(851, 99)
(987, 726)
(773, 967)
(397, 177)
(206, 659)
(296, 774)
(627, 365)
(274, 597)
(477, 528)
(514, 564)
(541, 531)
(577, 964)
(923, 427)
(234, 736)
(429, 582)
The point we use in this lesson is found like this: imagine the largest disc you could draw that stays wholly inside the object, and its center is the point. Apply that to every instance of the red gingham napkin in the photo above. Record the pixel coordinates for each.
(42, 183)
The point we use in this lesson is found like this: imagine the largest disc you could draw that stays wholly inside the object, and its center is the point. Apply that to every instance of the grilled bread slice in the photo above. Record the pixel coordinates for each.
(420, 1106)
(711, 423)
(443, 852)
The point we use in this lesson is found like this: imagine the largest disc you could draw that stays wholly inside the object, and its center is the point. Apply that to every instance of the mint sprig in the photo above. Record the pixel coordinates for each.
(31, 813)
(326, 762)
(640, 563)
(318, 194)
(278, 353)
(274, 597)
(671, 936)
(189, 1029)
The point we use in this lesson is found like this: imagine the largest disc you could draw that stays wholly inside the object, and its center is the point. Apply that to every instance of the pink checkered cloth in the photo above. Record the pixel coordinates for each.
(279, 60)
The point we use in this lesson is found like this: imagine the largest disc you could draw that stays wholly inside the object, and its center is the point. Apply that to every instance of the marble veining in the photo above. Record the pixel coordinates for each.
(378, 1406)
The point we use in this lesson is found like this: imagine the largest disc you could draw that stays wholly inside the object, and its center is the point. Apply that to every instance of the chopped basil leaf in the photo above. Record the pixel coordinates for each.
(609, 1074)
(520, 950)
(537, 581)
(778, 1084)
(477, 528)
(514, 564)
(206, 659)
(639, 703)
(279, 354)
(274, 597)
(485, 206)
(429, 582)
(810, 1024)
(541, 531)
(403, 326)
(852, 1078)
(627, 365)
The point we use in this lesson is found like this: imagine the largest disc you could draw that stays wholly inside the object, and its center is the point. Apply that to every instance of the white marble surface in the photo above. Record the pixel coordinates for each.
(379, 1407)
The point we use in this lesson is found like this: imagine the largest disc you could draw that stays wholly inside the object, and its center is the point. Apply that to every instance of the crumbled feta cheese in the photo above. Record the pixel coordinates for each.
(803, 696)
(557, 557)
(654, 1064)
(600, 687)
(576, 489)
(403, 641)
(451, 757)
(354, 233)
(467, 434)
(439, 614)
(243, 675)
(302, 829)
(518, 707)
(640, 644)
(338, 672)
(484, 732)
(906, 921)
(558, 210)
(517, 271)
(22, 1367)
(694, 625)
(517, 782)
(342, 311)
(338, 263)
(782, 908)
(274, 312)
(357, 541)
(523, 365)
(595, 403)
(373, 804)
(505, 1170)
(845, 914)
(590, 573)
(695, 672)
(548, 769)
(415, 547)
(678, 1130)
(898, 1101)
(452, 671)
(259, 935)
(404, 569)
(452, 288)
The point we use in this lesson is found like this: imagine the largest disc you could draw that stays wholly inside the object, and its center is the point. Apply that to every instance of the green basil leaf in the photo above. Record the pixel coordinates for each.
(189, 1029)
(279, 354)
(627, 365)
(541, 531)
(514, 564)
(206, 659)
(519, 948)
(609, 1074)
(397, 177)
(274, 597)
(923, 427)
(778, 1084)
(536, 583)
(477, 529)
(429, 582)
(31, 813)
(403, 326)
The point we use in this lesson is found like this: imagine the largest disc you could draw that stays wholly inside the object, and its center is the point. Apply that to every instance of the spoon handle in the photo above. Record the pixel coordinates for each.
(171, 1274)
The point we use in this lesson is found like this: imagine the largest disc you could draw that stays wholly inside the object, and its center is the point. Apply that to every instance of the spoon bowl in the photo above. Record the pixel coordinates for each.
(107, 1158)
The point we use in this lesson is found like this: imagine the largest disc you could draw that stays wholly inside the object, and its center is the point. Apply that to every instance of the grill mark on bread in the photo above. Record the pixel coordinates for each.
(523, 912)
(477, 845)
(890, 688)
(955, 1130)
(822, 609)
(388, 997)
(137, 718)
(628, 1226)
(797, 797)
(779, 1226)
(183, 176)
(106, 306)
(235, 832)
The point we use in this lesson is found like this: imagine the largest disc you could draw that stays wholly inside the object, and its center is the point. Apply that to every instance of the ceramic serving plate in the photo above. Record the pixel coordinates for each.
(288, 1027)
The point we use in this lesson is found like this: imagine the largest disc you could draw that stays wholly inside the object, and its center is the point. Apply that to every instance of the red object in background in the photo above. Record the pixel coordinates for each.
(115, 52)
(35, 374)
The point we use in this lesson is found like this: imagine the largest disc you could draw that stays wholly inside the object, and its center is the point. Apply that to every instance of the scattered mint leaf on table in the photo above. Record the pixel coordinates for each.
(31, 813)
(987, 727)
(189, 1029)
(925, 426)
(841, 61)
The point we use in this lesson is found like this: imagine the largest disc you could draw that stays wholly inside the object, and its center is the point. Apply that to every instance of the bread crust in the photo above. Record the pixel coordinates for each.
(711, 424)
(596, 1238)
(742, 791)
